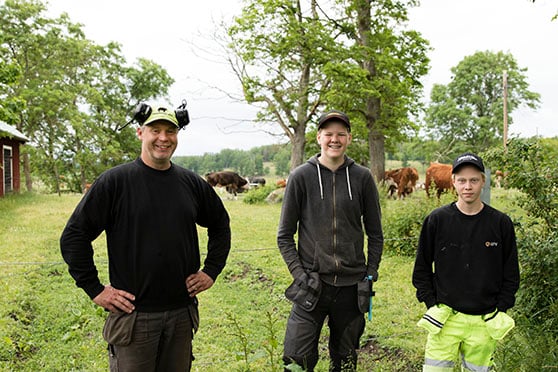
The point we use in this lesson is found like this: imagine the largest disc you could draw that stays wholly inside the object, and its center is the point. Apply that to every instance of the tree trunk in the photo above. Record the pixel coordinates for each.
(376, 139)
(57, 182)
(373, 104)
(377, 154)
(298, 142)
(27, 172)
(82, 178)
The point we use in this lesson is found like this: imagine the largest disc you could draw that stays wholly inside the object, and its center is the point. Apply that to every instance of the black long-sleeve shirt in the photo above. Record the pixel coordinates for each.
(149, 217)
(467, 262)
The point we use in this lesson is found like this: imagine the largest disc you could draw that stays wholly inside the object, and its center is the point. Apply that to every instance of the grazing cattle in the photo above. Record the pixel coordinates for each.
(231, 181)
(403, 180)
(256, 181)
(499, 177)
(439, 176)
(281, 183)
(86, 187)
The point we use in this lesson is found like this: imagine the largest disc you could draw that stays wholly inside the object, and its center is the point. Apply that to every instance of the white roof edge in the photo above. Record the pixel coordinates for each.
(12, 132)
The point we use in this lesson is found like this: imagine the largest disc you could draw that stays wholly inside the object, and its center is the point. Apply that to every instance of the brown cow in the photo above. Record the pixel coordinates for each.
(403, 180)
(281, 183)
(440, 175)
(500, 176)
(231, 181)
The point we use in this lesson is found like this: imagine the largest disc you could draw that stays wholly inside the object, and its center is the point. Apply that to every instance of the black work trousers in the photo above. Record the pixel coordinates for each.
(345, 322)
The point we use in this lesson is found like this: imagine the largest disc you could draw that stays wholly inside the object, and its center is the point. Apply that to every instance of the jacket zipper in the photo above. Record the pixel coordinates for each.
(335, 232)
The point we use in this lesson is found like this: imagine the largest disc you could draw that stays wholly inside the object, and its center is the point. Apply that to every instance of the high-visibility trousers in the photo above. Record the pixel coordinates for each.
(464, 336)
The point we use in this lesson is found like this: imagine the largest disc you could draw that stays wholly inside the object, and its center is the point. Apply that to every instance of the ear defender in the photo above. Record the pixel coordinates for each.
(182, 115)
(142, 112)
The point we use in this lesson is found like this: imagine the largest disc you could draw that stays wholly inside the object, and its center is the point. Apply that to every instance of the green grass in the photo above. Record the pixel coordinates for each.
(48, 324)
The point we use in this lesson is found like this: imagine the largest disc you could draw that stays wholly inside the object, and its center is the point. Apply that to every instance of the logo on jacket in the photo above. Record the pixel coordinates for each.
(491, 244)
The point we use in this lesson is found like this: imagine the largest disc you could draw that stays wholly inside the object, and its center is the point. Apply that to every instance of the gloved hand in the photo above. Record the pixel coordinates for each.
(305, 290)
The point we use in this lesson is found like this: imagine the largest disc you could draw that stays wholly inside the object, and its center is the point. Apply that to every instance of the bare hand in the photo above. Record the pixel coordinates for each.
(198, 282)
(115, 300)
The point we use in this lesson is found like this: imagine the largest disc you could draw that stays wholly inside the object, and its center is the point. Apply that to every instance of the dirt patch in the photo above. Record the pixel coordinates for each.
(255, 275)
(244, 270)
(372, 351)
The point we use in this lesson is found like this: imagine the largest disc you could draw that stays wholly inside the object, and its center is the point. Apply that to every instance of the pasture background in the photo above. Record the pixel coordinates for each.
(48, 324)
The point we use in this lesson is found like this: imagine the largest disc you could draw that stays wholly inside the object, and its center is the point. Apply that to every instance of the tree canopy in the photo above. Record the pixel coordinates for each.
(294, 58)
(69, 95)
(468, 112)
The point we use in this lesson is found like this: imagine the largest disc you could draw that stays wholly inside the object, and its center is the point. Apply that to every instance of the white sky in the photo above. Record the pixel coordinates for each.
(165, 30)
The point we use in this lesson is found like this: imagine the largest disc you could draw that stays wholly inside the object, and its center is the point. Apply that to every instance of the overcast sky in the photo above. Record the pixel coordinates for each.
(165, 31)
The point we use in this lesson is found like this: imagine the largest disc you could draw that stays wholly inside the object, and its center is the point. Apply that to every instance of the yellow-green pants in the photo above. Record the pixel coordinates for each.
(462, 335)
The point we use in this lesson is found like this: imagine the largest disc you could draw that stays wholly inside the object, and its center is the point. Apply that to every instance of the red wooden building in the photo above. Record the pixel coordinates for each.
(10, 141)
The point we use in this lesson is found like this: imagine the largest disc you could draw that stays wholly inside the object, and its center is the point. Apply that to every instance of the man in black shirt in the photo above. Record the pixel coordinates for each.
(149, 209)
(467, 273)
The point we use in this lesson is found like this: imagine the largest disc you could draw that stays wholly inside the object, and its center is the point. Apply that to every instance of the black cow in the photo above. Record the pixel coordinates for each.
(256, 181)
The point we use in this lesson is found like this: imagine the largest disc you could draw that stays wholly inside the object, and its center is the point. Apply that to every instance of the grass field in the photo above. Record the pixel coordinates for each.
(48, 324)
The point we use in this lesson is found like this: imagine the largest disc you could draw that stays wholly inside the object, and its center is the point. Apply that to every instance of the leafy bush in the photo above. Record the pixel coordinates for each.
(531, 167)
(538, 298)
(258, 194)
(402, 225)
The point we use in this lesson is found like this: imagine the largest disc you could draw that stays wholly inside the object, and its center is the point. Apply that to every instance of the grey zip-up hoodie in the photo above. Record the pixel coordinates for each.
(331, 211)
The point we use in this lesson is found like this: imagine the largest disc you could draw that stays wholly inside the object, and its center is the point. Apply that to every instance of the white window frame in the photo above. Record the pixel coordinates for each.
(11, 160)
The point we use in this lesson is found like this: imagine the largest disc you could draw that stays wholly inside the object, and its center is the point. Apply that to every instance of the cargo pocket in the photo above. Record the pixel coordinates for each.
(498, 324)
(305, 291)
(364, 292)
(119, 327)
(434, 318)
(194, 316)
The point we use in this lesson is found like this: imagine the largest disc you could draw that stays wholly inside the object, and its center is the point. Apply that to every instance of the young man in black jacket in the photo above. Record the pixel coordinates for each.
(467, 273)
(331, 201)
(149, 210)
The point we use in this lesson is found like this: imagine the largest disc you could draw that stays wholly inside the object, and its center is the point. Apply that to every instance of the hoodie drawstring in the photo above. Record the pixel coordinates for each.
(349, 184)
(320, 181)
(322, 187)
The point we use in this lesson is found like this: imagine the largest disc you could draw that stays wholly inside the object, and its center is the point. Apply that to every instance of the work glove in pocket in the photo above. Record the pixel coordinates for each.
(305, 290)
(364, 292)
(498, 324)
(119, 327)
(434, 318)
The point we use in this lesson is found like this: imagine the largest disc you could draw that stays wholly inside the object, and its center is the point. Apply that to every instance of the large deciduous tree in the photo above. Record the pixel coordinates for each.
(296, 57)
(277, 51)
(377, 77)
(468, 112)
(75, 93)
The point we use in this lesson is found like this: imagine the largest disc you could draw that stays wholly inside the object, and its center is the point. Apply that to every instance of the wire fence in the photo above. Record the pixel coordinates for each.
(104, 261)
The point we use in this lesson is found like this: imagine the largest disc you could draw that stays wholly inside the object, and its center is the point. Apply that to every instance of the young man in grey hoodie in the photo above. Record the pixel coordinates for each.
(331, 202)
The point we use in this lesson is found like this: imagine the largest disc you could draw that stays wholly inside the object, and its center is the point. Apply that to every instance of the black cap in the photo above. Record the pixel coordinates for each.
(334, 115)
(468, 158)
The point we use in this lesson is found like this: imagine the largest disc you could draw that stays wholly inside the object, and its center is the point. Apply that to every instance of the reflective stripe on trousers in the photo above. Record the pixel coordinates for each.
(462, 335)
